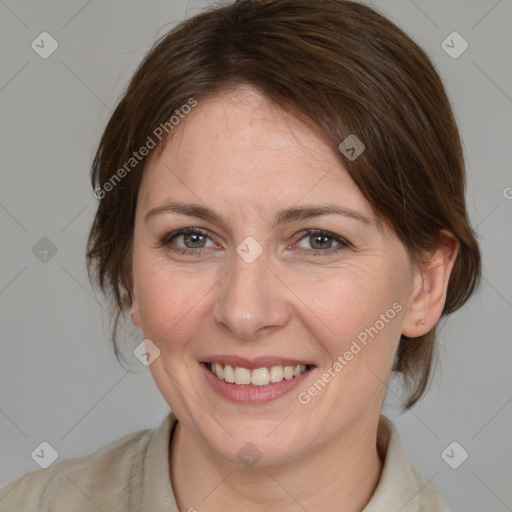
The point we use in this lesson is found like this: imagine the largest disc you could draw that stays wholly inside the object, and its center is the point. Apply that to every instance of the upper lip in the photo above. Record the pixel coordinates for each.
(256, 362)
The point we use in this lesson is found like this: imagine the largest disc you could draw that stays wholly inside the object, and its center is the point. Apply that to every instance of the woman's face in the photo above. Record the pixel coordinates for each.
(259, 287)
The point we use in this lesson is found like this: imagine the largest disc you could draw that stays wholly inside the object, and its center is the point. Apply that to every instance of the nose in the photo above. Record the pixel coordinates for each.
(251, 301)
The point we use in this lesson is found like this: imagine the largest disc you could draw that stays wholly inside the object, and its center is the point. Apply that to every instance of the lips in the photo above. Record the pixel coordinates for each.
(254, 381)
(250, 394)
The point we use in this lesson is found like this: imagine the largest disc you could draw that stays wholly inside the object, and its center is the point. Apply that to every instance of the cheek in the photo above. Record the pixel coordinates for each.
(358, 346)
(356, 318)
(168, 301)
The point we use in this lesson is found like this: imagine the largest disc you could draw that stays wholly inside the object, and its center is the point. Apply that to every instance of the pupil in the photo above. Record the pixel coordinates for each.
(318, 241)
(194, 238)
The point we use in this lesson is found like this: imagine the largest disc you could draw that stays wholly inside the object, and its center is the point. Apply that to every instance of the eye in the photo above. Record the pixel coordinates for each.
(321, 242)
(192, 241)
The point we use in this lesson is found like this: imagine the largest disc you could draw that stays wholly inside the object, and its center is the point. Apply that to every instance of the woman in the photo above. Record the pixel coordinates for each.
(281, 210)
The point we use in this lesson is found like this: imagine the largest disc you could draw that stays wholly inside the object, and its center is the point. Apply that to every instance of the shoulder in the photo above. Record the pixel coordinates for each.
(88, 482)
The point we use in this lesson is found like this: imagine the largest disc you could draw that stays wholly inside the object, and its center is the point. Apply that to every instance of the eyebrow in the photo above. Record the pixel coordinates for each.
(287, 215)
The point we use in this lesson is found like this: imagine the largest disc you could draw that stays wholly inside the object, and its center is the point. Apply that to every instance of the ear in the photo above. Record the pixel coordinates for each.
(430, 285)
(135, 305)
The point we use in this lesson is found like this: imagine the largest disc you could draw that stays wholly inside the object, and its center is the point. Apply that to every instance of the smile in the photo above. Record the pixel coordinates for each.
(258, 377)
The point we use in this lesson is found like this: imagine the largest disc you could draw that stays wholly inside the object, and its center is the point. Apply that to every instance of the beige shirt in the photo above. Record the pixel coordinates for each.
(131, 474)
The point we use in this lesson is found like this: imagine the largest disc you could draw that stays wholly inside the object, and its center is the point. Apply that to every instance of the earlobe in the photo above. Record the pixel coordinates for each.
(430, 287)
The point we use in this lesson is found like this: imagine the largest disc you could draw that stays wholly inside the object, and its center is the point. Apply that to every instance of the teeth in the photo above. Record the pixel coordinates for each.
(242, 375)
(288, 372)
(257, 377)
(229, 374)
(276, 374)
(260, 377)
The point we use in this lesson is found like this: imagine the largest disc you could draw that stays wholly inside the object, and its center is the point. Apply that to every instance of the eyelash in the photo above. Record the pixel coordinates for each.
(343, 244)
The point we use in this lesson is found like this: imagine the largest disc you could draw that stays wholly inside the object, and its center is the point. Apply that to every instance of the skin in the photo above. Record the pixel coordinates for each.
(246, 159)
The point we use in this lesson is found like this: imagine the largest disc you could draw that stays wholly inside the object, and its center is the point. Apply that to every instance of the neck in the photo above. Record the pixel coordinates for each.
(345, 471)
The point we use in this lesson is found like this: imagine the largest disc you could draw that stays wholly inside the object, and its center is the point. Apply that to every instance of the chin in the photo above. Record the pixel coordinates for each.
(256, 452)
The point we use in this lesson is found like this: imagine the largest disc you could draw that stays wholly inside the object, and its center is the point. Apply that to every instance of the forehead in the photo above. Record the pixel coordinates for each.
(240, 148)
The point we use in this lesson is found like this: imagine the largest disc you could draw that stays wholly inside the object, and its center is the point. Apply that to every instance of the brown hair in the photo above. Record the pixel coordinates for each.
(343, 68)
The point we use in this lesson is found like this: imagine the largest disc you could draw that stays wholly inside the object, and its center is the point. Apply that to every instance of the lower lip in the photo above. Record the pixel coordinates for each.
(252, 394)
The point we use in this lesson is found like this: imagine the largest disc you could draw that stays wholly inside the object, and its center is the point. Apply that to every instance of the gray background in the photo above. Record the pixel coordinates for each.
(60, 381)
